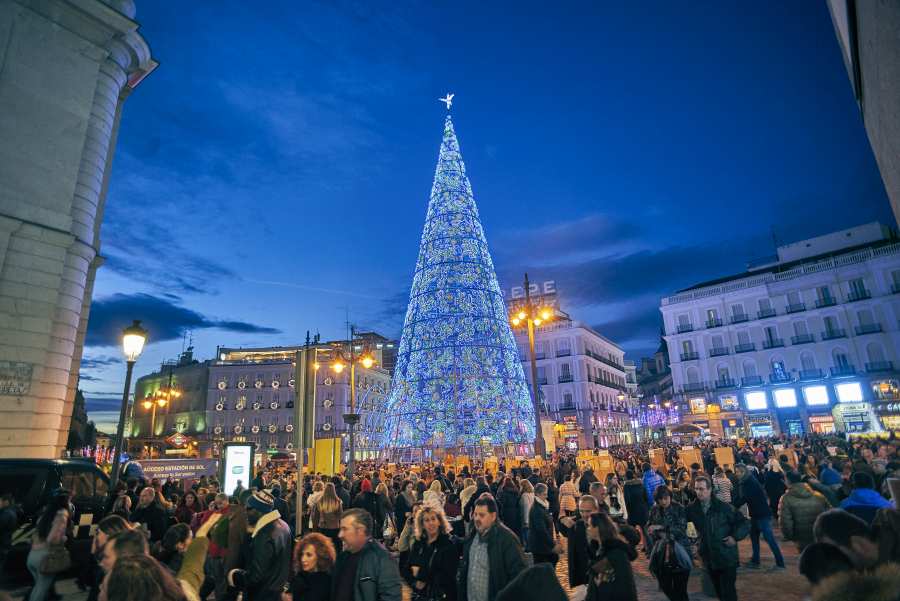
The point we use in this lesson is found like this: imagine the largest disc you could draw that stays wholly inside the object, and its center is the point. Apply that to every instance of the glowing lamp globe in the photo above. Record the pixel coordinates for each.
(133, 339)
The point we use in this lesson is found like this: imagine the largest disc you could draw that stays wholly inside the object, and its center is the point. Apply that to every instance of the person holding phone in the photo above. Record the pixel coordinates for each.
(719, 527)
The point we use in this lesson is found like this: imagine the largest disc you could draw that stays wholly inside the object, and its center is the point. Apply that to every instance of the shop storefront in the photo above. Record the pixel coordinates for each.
(760, 424)
(888, 415)
(721, 417)
(821, 424)
(852, 414)
(759, 421)
(817, 401)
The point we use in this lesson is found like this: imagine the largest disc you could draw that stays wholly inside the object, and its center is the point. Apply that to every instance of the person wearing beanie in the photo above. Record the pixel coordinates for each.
(267, 558)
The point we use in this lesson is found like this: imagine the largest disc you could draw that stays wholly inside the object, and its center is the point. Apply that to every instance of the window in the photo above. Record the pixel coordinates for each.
(793, 298)
(857, 288)
(722, 373)
(778, 369)
(693, 376)
(765, 305)
(684, 320)
(541, 374)
(824, 294)
(865, 317)
(750, 369)
(743, 337)
(567, 399)
(840, 358)
(815, 395)
(831, 324)
(875, 353)
(737, 310)
(895, 280)
(849, 392)
(800, 329)
(565, 371)
(785, 397)
(886, 390)
(712, 315)
(79, 483)
(687, 347)
(729, 402)
(564, 346)
(755, 400)
(717, 342)
(807, 362)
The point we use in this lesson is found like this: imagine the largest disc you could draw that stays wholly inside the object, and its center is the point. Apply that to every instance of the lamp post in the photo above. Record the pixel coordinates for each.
(133, 339)
(530, 316)
(351, 418)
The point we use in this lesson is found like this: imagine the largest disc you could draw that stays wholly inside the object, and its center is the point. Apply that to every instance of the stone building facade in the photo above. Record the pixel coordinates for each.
(65, 69)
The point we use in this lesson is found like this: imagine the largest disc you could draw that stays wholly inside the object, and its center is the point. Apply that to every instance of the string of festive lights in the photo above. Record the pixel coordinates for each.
(458, 380)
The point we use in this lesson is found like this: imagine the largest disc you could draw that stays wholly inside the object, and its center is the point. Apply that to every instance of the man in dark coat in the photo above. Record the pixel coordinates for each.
(584, 484)
(541, 541)
(150, 513)
(267, 558)
(364, 570)
(491, 556)
(578, 550)
(754, 496)
(719, 526)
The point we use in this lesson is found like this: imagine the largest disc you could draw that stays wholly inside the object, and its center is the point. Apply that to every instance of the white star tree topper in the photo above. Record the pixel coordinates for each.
(448, 100)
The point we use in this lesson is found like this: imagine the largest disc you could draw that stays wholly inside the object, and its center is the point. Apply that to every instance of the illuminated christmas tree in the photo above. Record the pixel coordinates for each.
(458, 381)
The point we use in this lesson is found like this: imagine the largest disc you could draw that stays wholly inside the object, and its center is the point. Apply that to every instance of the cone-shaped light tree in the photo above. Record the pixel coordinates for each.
(458, 381)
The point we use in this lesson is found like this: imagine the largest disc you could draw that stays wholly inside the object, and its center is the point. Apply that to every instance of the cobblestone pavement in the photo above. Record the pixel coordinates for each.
(752, 585)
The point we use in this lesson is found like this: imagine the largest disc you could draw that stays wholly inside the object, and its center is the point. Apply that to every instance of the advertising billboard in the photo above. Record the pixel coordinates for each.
(237, 465)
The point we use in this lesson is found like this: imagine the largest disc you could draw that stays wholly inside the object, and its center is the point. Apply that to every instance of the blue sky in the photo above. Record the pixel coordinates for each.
(272, 174)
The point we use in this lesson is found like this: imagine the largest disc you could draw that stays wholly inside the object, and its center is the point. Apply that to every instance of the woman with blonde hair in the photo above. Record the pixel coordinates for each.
(433, 559)
(526, 501)
(434, 496)
(325, 515)
(318, 490)
(774, 484)
(383, 498)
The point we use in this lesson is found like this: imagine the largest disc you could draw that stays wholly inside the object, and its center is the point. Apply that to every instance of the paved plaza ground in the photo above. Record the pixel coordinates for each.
(752, 585)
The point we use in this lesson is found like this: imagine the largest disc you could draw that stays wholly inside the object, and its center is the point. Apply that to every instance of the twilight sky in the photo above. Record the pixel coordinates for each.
(273, 173)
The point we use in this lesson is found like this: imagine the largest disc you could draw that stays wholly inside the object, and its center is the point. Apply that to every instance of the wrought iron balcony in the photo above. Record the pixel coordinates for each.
(725, 383)
(832, 334)
(713, 323)
(740, 318)
(563, 352)
(694, 387)
(811, 374)
(803, 339)
(858, 295)
(568, 407)
(718, 352)
(744, 348)
(879, 366)
(692, 356)
(685, 327)
(565, 378)
(751, 381)
(773, 343)
(764, 313)
(779, 378)
(868, 328)
(843, 370)
(542, 381)
(825, 302)
(795, 308)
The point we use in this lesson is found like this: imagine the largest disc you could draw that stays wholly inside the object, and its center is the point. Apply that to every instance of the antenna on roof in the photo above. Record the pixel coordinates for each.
(774, 239)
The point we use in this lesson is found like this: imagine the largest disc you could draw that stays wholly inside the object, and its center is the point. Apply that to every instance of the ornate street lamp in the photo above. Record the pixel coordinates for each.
(133, 339)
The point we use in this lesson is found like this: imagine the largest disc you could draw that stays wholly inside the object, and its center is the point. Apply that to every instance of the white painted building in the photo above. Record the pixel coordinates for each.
(580, 374)
(807, 342)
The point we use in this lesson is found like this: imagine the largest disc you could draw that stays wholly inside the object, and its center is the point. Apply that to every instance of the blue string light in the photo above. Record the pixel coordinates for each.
(458, 381)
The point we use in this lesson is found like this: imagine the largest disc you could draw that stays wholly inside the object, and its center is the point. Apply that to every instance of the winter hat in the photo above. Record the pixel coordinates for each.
(261, 501)
(366, 485)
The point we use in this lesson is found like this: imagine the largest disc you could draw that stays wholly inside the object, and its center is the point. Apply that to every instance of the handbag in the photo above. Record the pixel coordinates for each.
(57, 559)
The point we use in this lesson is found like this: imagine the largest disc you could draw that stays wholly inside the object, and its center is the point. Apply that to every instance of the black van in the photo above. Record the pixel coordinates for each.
(32, 482)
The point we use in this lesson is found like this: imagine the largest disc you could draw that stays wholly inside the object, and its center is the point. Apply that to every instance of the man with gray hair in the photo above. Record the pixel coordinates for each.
(541, 538)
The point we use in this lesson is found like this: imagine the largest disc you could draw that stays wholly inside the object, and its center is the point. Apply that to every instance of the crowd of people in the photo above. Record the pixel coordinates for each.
(480, 535)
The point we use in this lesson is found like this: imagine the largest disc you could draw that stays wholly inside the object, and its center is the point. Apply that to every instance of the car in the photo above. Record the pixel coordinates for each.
(32, 483)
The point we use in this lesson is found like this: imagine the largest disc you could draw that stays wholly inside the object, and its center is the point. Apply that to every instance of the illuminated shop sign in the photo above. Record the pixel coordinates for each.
(785, 397)
(849, 392)
(698, 405)
(815, 395)
(729, 402)
(756, 400)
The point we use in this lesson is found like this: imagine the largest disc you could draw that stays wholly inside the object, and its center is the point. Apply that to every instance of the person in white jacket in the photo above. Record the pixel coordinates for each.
(526, 500)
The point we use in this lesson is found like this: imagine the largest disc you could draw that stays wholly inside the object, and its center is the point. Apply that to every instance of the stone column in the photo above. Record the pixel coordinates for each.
(65, 68)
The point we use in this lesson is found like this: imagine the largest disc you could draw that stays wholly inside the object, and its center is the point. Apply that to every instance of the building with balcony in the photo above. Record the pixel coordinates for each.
(149, 430)
(808, 341)
(251, 397)
(581, 375)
